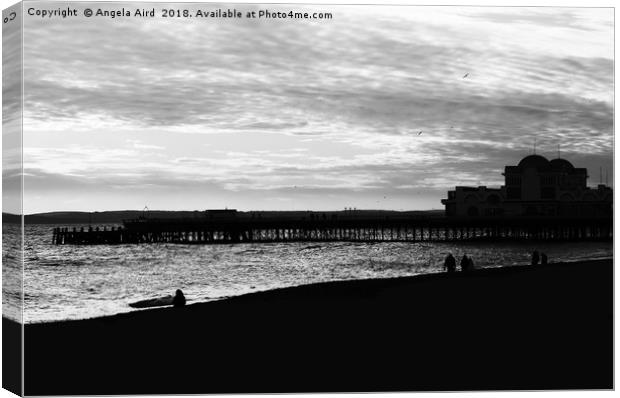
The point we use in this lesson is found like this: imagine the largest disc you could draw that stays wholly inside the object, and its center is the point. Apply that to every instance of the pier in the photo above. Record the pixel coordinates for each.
(330, 229)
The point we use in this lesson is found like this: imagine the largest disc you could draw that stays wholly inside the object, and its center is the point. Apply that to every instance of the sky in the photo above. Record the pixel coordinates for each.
(380, 107)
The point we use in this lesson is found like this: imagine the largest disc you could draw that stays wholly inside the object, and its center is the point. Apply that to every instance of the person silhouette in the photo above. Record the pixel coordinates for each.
(464, 263)
(543, 259)
(179, 299)
(535, 257)
(450, 263)
(470, 264)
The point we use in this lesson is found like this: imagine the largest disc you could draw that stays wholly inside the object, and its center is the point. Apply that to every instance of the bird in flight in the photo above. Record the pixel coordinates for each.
(420, 133)
(466, 74)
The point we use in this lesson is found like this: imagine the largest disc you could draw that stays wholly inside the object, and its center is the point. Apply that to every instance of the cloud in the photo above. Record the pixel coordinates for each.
(547, 17)
(255, 106)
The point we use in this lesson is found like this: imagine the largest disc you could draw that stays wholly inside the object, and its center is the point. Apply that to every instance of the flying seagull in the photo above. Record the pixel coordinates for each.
(466, 74)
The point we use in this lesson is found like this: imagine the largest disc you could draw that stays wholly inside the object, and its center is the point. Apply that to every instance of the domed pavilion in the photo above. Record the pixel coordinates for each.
(536, 187)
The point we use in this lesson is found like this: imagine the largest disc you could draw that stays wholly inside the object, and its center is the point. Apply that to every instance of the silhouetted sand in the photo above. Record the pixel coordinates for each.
(546, 327)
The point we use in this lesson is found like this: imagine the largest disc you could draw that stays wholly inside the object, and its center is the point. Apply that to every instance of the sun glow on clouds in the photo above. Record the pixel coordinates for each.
(370, 109)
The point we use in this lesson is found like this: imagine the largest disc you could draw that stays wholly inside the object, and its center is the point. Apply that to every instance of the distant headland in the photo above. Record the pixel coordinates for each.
(117, 216)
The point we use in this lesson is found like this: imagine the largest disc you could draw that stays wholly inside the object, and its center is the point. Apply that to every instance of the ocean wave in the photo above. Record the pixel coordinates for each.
(75, 282)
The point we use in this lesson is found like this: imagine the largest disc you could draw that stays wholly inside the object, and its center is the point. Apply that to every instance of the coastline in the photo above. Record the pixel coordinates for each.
(123, 307)
(516, 327)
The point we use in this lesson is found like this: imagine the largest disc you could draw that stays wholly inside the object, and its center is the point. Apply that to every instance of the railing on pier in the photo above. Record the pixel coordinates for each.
(438, 229)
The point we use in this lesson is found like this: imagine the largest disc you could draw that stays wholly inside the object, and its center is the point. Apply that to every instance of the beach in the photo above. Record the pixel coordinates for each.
(510, 328)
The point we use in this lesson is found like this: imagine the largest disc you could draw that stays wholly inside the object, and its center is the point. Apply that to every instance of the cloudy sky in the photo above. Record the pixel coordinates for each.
(281, 114)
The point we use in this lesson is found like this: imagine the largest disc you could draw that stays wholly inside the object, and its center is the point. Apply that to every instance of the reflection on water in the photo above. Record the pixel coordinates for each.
(72, 282)
(11, 271)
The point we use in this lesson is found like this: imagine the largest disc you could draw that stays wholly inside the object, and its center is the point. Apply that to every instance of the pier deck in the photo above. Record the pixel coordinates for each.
(435, 229)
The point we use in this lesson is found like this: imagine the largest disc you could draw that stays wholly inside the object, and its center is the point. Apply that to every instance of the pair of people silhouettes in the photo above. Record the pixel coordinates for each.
(536, 257)
(467, 264)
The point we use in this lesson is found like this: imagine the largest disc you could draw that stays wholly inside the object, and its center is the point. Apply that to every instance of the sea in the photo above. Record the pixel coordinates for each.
(79, 282)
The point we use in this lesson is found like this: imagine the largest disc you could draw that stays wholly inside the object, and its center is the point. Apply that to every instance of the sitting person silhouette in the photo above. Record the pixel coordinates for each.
(179, 299)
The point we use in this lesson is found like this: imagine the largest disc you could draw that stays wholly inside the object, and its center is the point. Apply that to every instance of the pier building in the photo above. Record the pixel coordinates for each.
(536, 187)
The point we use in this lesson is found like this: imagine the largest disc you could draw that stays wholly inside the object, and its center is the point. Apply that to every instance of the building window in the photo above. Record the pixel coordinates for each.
(513, 180)
(547, 180)
(493, 211)
(472, 211)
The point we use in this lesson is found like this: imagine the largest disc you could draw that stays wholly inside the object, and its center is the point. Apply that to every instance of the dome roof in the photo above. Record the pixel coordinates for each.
(561, 165)
(537, 162)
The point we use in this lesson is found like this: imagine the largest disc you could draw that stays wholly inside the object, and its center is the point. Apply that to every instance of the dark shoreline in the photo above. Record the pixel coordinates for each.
(509, 328)
(338, 287)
